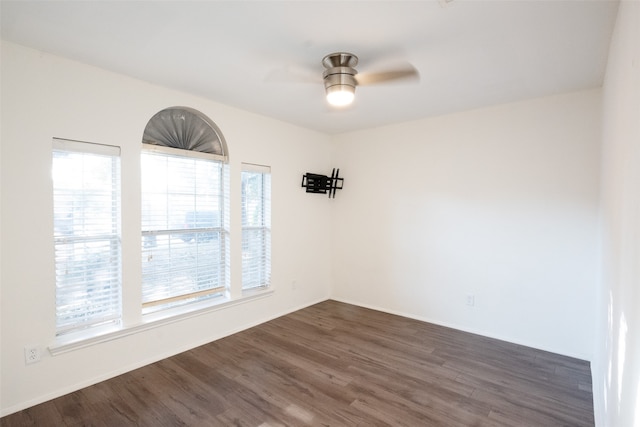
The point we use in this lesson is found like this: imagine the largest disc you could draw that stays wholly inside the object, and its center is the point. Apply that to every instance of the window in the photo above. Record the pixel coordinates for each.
(86, 204)
(256, 226)
(185, 242)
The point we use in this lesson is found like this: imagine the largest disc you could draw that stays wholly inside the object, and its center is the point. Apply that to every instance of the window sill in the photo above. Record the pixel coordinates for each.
(86, 339)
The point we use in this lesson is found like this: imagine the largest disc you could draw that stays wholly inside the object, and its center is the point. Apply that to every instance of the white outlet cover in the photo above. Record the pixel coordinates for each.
(31, 355)
(471, 300)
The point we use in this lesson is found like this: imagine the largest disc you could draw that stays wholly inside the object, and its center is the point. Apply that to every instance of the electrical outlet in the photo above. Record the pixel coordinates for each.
(471, 300)
(31, 355)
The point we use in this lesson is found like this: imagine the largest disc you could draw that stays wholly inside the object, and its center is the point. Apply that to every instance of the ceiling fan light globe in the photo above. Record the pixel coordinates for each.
(340, 95)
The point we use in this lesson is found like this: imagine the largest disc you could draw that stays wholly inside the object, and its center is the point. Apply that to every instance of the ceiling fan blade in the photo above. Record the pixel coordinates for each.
(407, 72)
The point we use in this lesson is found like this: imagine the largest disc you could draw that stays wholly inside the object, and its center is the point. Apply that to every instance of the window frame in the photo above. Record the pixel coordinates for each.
(108, 283)
(196, 298)
(263, 229)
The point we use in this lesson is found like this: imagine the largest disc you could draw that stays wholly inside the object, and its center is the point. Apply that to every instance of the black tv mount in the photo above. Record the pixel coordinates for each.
(322, 184)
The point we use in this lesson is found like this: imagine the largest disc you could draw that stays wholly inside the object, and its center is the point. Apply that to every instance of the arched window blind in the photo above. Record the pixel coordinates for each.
(185, 129)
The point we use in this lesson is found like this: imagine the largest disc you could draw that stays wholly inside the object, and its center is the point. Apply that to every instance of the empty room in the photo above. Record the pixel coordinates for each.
(268, 213)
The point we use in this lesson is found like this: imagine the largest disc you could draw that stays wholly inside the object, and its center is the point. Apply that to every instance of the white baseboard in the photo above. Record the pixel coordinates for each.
(461, 328)
(139, 364)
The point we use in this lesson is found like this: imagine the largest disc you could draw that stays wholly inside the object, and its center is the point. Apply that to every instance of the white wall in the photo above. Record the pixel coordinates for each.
(616, 367)
(44, 96)
(500, 203)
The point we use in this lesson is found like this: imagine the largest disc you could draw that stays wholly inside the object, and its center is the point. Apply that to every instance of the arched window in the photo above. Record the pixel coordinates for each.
(184, 210)
(185, 129)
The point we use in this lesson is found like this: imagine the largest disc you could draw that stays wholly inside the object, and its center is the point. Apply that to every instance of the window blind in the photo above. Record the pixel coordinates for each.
(256, 226)
(184, 241)
(86, 203)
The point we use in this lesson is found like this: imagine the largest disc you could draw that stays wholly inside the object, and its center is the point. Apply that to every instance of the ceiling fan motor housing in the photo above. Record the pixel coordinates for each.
(339, 76)
(339, 71)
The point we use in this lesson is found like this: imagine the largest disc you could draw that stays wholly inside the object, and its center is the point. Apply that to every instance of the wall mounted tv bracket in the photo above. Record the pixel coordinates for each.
(322, 184)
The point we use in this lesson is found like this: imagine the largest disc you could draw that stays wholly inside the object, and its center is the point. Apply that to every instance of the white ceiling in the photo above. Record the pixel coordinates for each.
(470, 53)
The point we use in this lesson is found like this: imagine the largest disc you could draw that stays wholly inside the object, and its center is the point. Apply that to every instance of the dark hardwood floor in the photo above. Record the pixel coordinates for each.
(334, 364)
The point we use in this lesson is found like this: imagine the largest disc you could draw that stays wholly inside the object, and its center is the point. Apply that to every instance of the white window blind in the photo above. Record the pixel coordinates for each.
(256, 226)
(86, 203)
(184, 241)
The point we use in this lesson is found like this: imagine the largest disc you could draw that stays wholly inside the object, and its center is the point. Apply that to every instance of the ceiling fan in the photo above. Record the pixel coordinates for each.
(341, 78)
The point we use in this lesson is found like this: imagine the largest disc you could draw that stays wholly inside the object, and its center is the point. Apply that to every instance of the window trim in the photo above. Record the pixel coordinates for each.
(71, 342)
(183, 153)
(235, 295)
(62, 144)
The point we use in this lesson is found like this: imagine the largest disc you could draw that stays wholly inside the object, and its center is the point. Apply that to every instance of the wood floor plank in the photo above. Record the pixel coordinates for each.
(335, 364)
